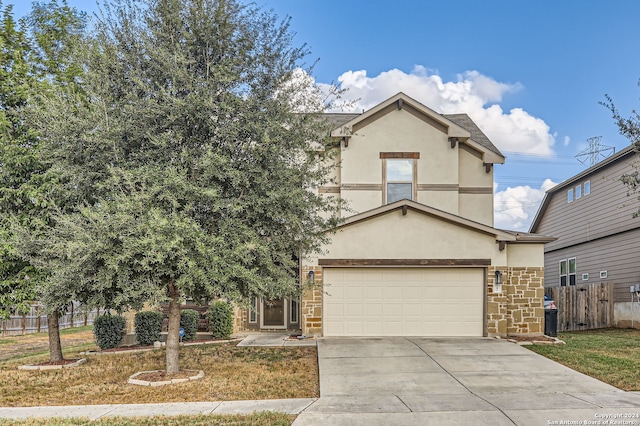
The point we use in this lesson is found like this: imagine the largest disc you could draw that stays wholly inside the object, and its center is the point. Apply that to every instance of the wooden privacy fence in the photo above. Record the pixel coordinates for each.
(36, 320)
(583, 306)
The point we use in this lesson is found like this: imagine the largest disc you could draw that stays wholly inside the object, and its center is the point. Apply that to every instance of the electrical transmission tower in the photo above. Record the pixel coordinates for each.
(595, 152)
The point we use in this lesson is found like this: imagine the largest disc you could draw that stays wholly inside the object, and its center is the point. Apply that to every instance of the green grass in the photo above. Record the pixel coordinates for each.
(74, 330)
(609, 355)
(257, 419)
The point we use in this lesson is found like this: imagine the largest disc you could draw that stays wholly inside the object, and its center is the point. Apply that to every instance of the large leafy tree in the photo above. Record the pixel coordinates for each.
(629, 127)
(34, 57)
(17, 163)
(190, 159)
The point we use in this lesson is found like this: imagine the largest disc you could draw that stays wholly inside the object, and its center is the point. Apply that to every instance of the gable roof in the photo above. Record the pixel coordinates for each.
(499, 234)
(458, 126)
(569, 182)
(464, 121)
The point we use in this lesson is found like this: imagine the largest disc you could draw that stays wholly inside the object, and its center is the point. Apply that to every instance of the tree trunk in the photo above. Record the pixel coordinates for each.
(55, 348)
(173, 330)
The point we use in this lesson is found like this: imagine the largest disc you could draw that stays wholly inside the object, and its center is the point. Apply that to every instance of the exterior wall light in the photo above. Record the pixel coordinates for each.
(311, 277)
(497, 286)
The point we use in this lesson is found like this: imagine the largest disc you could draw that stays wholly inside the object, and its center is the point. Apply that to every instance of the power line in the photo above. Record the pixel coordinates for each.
(595, 151)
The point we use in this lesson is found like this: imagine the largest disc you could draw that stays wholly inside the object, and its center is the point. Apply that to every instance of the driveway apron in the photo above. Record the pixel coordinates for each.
(466, 381)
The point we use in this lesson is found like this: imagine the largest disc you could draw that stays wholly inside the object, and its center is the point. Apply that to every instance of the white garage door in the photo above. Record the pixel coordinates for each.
(403, 302)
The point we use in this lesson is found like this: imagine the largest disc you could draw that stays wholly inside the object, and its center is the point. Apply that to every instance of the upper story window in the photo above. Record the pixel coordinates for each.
(578, 191)
(399, 180)
(399, 174)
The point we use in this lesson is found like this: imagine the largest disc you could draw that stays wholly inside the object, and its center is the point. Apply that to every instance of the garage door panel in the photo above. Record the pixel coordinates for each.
(373, 292)
(404, 302)
(372, 275)
(391, 310)
(372, 310)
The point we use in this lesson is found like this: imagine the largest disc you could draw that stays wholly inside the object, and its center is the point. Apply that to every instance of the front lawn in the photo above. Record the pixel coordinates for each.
(610, 355)
(231, 373)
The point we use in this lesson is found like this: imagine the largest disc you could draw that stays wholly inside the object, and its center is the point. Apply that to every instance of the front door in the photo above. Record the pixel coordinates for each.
(274, 313)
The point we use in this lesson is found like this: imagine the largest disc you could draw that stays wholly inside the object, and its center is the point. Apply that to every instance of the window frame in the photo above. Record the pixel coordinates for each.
(293, 311)
(575, 269)
(253, 311)
(570, 195)
(563, 274)
(587, 188)
(406, 156)
(578, 192)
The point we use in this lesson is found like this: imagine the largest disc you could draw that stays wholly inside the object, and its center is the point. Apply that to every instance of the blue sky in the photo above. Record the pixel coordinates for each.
(530, 73)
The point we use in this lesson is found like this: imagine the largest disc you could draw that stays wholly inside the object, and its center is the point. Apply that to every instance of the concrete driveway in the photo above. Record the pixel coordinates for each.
(466, 381)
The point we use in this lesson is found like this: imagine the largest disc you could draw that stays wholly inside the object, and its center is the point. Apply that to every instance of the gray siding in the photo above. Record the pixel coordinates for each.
(606, 210)
(617, 254)
(597, 229)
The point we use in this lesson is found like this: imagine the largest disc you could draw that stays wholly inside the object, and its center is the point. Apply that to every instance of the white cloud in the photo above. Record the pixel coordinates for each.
(566, 140)
(472, 93)
(302, 93)
(515, 208)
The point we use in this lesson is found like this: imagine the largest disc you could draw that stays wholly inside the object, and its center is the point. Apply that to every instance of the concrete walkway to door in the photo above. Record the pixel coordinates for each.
(444, 381)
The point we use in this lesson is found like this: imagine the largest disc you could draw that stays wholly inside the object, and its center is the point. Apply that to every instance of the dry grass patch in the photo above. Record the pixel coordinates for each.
(257, 419)
(231, 373)
(24, 347)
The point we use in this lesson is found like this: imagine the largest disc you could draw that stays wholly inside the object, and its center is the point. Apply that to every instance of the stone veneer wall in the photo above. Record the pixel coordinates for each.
(311, 309)
(519, 309)
(239, 319)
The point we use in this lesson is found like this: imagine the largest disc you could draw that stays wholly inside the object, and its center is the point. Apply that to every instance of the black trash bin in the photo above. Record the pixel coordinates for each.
(551, 322)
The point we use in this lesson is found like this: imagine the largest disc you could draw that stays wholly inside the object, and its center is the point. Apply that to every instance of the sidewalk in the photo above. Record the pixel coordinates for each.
(94, 412)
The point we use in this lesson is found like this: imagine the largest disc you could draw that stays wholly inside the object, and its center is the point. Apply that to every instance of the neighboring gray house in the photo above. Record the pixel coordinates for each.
(598, 239)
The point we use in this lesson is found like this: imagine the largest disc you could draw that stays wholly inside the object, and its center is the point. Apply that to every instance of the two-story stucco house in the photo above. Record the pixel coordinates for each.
(417, 254)
(598, 237)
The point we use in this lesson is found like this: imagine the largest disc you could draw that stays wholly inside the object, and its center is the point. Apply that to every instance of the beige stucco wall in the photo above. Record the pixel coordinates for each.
(442, 200)
(473, 176)
(530, 255)
(397, 131)
(472, 171)
(477, 207)
(414, 236)
(359, 201)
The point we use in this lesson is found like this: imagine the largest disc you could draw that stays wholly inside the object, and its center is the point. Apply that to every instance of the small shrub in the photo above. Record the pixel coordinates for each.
(148, 327)
(220, 317)
(189, 321)
(109, 330)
